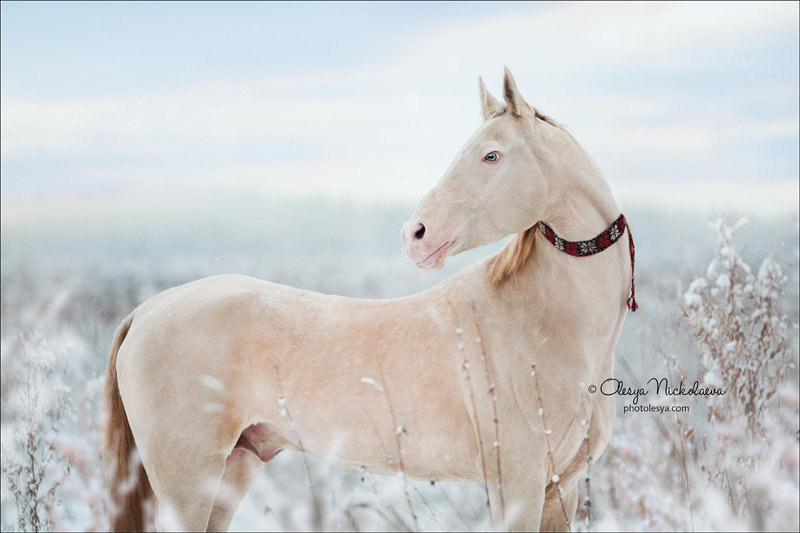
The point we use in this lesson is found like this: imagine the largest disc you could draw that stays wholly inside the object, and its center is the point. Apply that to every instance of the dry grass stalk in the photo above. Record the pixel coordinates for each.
(316, 506)
(555, 479)
(491, 389)
(399, 430)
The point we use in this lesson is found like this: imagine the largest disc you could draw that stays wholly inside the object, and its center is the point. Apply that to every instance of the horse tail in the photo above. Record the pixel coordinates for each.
(128, 486)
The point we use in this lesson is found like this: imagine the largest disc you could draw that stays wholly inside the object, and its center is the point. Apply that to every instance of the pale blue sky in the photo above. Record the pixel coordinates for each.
(93, 48)
(680, 103)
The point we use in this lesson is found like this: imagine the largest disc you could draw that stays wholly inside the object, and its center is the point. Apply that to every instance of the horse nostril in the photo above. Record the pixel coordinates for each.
(420, 232)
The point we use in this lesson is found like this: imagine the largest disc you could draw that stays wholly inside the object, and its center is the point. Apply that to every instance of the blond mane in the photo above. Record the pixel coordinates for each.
(542, 116)
(511, 258)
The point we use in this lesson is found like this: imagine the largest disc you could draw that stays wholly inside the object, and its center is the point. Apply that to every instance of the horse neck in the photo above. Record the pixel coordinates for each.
(541, 286)
(579, 206)
(579, 202)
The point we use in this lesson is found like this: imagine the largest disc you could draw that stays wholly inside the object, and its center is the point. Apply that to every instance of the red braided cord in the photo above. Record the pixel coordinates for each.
(632, 305)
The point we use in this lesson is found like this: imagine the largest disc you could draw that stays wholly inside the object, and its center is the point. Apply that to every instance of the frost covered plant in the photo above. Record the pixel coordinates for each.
(32, 468)
(731, 462)
(746, 349)
(744, 334)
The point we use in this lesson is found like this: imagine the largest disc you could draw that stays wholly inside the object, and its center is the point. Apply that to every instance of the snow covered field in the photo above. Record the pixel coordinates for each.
(68, 279)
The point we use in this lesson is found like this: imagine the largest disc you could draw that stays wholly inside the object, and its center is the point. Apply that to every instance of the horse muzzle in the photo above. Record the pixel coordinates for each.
(428, 252)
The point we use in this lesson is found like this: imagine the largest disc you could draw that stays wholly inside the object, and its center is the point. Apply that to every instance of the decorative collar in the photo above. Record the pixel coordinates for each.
(595, 246)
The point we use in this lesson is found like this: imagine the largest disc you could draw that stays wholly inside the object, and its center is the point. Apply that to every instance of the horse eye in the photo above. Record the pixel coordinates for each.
(491, 157)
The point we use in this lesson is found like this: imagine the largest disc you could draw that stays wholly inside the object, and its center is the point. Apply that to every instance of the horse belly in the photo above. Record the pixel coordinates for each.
(353, 424)
(420, 454)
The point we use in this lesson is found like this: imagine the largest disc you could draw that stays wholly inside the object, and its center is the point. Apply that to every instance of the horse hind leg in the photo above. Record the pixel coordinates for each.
(256, 445)
(201, 491)
(186, 467)
(185, 487)
(241, 470)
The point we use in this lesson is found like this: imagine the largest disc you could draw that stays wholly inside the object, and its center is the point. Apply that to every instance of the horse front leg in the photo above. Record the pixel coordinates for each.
(559, 509)
(516, 499)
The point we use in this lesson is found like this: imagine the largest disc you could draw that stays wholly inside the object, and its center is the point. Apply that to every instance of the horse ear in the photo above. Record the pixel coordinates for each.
(516, 103)
(489, 104)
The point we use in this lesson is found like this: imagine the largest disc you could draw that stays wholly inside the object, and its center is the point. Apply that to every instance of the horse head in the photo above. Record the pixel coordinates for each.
(494, 187)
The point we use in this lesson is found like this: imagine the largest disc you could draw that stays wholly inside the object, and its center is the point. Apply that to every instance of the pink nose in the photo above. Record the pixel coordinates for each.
(412, 233)
(426, 248)
(419, 233)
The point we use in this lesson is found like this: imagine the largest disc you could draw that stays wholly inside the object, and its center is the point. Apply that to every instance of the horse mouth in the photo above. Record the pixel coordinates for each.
(435, 260)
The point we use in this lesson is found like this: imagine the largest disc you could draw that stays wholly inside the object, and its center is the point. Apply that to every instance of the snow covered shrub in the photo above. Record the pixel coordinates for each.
(32, 467)
(746, 348)
(643, 476)
(744, 334)
(727, 462)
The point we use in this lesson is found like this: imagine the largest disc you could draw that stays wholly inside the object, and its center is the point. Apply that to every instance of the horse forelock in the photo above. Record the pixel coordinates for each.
(512, 258)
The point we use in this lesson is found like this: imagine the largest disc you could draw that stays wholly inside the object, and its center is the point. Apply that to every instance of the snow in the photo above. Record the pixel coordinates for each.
(370, 381)
(213, 407)
(212, 383)
(712, 378)
(61, 304)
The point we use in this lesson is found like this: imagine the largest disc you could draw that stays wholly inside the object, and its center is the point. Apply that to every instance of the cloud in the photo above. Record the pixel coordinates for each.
(655, 90)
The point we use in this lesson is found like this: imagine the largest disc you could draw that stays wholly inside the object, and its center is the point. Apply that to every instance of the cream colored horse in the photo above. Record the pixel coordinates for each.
(214, 377)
